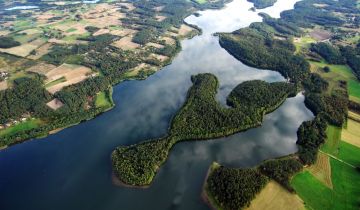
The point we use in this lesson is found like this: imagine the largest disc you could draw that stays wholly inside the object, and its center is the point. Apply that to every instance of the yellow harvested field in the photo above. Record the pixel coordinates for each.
(3, 85)
(101, 32)
(31, 31)
(24, 49)
(156, 45)
(74, 27)
(322, 169)
(275, 197)
(160, 17)
(123, 32)
(168, 40)
(143, 66)
(125, 43)
(103, 15)
(351, 134)
(44, 17)
(354, 116)
(4, 33)
(184, 30)
(55, 104)
(72, 73)
(161, 58)
(41, 68)
(41, 51)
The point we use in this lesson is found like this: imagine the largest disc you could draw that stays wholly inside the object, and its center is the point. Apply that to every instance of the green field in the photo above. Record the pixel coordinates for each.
(103, 100)
(339, 72)
(303, 43)
(332, 143)
(201, 1)
(55, 82)
(313, 192)
(349, 153)
(344, 195)
(23, 126)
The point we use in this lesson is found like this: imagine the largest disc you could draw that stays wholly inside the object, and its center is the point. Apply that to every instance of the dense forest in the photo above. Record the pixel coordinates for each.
(201, 117)
(258, 48)
(27, 96)
(8, 42)
(261, 4)
(233, 189)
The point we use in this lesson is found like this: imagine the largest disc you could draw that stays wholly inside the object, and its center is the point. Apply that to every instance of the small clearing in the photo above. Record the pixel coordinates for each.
(55, 104)
(320, 34)
(125, 43)
(322, 169)
(168, 40)
(161, 58)
(184, 30)
(274, 197)
(351, 134)
(3, 85)
(160, 18)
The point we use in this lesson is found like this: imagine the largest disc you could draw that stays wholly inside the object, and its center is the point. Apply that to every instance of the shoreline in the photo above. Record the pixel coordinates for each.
(204, 195)
(195, 32)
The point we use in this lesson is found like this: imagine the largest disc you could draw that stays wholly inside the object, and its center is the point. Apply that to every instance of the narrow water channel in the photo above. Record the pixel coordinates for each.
(71, 169)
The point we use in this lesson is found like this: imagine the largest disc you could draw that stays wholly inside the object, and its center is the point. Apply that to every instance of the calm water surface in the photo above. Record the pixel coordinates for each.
(72, 169)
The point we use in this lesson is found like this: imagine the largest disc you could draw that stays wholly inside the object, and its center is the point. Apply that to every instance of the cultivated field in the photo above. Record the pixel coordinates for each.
(354, 116)
(39, 52)
(351, 134)
(322, 169)
(332, 143)
(126, 43)
(184, 30)
(41, 68)
(24, 49)
(72, 73)
(320, 35)
(275, 197)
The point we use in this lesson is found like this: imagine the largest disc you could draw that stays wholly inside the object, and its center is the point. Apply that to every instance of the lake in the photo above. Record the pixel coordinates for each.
(72, 170)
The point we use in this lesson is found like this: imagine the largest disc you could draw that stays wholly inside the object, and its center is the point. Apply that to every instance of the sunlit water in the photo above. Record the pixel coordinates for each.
(72, 169)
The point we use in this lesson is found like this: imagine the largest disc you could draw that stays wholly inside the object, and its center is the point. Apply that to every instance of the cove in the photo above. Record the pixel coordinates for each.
(72, 169)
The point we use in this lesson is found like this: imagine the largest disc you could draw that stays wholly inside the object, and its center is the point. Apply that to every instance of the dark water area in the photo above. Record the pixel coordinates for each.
(72, 169)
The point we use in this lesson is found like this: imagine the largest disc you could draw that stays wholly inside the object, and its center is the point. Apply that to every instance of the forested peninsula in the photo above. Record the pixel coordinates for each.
(201, 118)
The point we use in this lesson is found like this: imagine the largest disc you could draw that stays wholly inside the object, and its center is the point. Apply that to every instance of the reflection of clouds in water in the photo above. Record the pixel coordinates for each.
(212, 21)
(280, 5)
(77, 159)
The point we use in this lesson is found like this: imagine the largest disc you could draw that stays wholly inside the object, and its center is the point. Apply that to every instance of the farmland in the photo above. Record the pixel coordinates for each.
(274, 197)
(77, 51)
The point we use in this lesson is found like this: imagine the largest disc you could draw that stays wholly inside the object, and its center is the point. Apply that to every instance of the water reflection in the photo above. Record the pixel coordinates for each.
(71, 169)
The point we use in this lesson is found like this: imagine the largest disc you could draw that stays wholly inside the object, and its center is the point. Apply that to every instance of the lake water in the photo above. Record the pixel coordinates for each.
(21, 8)
(72, 170)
